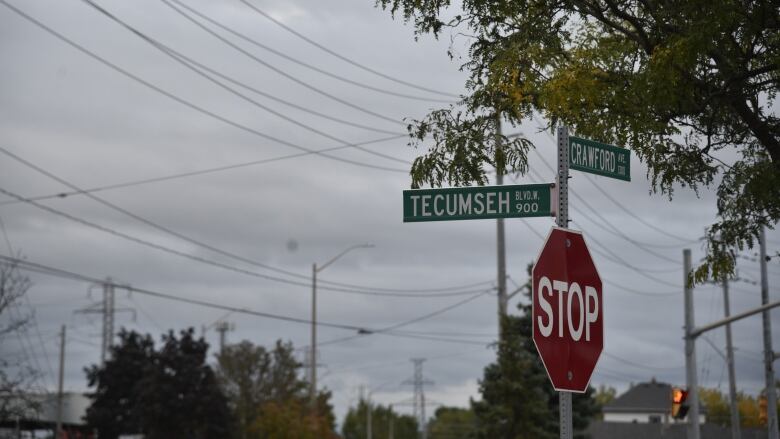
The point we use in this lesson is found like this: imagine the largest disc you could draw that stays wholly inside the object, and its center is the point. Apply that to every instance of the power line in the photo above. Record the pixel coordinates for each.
(206, 261)
(279, 71)
(612, 257)
(617, 259)
(183, 101)
(620, 205)
(44, 269)
(178, 58)
(446, 292)
(76, 190)
(640, 292)
(640, 245)
(196, 242)
(281, 54)
(33, 316)
(640, 365)
(342, 57)
(391, 329)
(185, 174)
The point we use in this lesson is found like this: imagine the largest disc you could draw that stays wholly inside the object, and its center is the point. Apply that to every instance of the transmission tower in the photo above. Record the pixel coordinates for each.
(419, 395)
(107, 308)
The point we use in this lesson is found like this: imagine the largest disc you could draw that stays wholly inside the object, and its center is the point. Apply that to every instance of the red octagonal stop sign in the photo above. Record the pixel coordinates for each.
(568, 317)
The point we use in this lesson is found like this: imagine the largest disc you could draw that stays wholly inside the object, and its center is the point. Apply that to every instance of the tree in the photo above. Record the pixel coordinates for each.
(517, 398)
(290, 419)
(688, 86)
(718, 411)
(16, 379)
(749, 413)
(114, 403)
(260, 383)
(603, 396)
(354, 426)
(451, 423)
(160, 394)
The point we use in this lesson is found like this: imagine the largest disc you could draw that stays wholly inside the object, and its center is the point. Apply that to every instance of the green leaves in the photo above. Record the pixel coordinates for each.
(461, 145)
(685, 85)
(160, 394)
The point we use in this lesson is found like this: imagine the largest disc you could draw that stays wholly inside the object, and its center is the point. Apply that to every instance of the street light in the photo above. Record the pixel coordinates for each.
(313, 357)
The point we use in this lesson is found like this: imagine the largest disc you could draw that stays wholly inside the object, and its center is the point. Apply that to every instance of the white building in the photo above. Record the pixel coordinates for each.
(645, 403)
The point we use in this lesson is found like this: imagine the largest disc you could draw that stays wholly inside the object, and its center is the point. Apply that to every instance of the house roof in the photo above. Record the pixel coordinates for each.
(652, 397)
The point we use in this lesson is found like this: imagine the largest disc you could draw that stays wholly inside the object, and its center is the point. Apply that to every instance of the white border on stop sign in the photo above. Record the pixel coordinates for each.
(533, 317)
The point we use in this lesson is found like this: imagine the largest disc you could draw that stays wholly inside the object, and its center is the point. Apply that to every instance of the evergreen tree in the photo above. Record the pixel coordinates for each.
(159, 394)
(114, 402)
(518, 401)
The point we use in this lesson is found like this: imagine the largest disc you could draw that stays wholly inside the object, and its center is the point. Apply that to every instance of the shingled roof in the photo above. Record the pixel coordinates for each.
(652, 397)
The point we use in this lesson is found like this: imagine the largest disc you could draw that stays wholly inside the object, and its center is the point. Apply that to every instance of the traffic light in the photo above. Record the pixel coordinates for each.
(679, 407)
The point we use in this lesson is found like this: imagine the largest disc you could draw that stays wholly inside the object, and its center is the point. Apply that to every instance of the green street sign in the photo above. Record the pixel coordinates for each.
(599, 158)
(477, 202)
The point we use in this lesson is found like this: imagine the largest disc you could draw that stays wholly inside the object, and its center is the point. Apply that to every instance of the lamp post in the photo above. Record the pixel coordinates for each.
(313, 356)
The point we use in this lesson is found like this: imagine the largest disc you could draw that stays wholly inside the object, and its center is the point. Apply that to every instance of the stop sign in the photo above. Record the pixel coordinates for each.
(567, 312)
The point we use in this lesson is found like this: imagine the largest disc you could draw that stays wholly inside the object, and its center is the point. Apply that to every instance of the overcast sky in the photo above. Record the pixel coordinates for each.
(93, 126)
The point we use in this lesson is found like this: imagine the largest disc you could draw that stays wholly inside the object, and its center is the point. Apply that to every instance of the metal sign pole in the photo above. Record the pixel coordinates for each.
(564, 398)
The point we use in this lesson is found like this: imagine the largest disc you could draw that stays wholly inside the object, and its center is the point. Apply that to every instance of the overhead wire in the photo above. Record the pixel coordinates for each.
(52, 271)
(640, 365)
(619, 260)
(615, 230)
(305, 64)
(621, 206)
(33, 316)
(48, 270)
(167, 177)
(391, 329)
(180, 59)
(342, 57)
(300, 82)
(185, 102)
(447, 291)
(218, 264)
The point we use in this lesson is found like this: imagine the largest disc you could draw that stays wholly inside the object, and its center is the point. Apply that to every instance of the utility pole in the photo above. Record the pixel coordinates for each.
(313, 347)
(313, 363)
(736, 431)
(500, 236)
(223, 327)
(108, 320)
(562, 219)
(390, 422)
(58, 427)
(771, 392)
(690, 350)
(369, 426)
